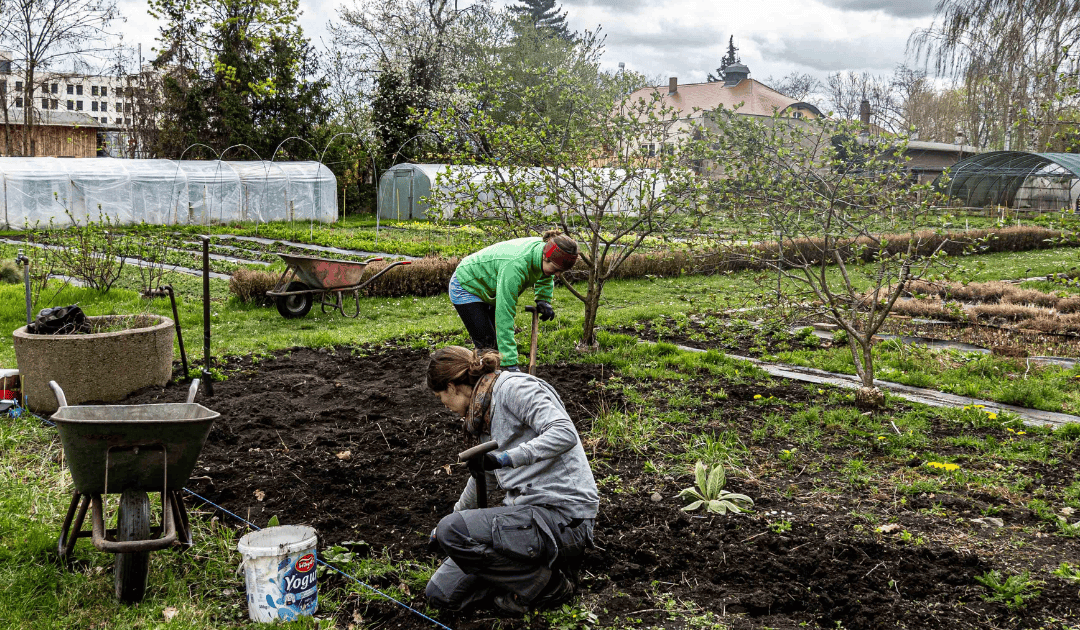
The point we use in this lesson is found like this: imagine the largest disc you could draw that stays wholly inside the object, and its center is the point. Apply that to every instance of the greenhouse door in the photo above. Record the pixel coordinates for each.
(403, 195)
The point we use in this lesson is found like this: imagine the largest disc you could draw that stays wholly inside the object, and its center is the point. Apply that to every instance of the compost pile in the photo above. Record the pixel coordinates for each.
(354, 444)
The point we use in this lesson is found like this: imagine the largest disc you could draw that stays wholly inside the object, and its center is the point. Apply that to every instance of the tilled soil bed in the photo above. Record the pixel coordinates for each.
(354, 444)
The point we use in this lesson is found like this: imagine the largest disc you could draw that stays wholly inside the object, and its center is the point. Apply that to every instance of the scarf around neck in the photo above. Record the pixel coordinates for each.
(478, 417)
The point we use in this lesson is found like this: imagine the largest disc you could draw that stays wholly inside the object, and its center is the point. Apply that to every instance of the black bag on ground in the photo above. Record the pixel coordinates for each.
(60, 320)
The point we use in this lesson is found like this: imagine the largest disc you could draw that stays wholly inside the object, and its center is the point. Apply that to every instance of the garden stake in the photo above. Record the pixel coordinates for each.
(168, 290)
(532, 343)
(25, 262)
(481, 478)
(206, 315)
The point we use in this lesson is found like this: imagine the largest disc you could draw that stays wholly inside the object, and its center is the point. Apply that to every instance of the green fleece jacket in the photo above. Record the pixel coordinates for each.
(499, 274)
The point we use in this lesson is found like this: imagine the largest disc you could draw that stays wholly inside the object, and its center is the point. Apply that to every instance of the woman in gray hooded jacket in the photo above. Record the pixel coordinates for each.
(511, 551)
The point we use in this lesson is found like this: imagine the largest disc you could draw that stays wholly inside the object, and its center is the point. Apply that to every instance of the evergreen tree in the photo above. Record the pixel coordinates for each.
(729, 59)
(544, 14)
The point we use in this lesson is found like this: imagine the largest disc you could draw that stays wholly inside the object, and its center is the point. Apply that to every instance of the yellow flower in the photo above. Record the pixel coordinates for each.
(950, 467)
(757, 396)
(991, 415)
(881, 437)
(822, 391)
(980, 406)
(1021, 432)
(1009, 429)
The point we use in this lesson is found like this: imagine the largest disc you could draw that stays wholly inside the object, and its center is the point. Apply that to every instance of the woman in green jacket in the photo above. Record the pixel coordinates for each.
(486, 286)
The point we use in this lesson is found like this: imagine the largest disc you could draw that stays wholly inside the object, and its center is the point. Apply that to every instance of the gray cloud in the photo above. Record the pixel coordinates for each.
(621, 5)
(873, 54)
(899, 8)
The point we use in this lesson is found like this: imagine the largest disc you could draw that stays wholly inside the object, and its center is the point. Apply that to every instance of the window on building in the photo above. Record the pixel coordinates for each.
(104, 90)
(127, 108)
(119, 121)
(70, 88)
(78, 90)
(651, 149)
(44, 103)
(18, 85)
(71, 105)
(56, 103)
(93, 90)
(93, 105)
(105, 121)
(104, 106)
(78, 105)
(55, 88)
(18, 101)
(127, 121)
(119, 107)
(796, 114)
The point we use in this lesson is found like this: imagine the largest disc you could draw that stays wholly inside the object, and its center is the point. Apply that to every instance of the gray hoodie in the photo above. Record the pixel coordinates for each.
(531, 425)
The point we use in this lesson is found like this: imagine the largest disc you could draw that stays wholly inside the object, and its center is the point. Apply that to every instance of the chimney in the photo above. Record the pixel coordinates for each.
(672, 85)
(864, 115)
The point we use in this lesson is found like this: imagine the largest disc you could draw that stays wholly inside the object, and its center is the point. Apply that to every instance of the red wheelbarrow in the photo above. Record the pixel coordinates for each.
(307, 277)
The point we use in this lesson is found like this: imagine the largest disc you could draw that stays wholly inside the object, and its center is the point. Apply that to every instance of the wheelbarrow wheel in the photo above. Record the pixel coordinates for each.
(132, 524)
(295, 306)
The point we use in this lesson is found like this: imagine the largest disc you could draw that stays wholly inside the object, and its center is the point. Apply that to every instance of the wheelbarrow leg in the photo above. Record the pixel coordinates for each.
(180, 517)
(70, 534)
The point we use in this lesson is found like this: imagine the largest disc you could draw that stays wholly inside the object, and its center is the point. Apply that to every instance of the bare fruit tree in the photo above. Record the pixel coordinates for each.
(616, 175)
(845, 222)
(44, 33)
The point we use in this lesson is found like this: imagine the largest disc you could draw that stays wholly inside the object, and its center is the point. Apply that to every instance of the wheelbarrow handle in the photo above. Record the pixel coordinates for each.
(61, 399)
(192, 390)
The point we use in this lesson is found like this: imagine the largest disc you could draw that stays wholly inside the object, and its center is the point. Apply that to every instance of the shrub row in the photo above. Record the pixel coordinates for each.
(430, 276)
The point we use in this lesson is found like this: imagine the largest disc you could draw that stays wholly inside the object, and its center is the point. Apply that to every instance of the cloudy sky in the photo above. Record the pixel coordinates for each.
(687, 38)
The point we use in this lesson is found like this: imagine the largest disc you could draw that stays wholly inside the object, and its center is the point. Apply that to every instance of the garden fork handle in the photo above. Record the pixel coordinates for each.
(532, 342)
(481, 479)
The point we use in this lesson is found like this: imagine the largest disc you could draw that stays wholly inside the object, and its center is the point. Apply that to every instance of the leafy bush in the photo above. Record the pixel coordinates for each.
(249, 285)
(710, 493)
(94, 252)
(10, 273)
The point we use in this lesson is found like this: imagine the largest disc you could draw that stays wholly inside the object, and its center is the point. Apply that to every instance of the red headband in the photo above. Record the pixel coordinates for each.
(561, 259)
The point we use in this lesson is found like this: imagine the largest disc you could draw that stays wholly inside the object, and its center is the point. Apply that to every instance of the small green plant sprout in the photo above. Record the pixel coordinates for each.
(569, 617)
(788, 454)
(780, 526)
(1067, 571)
(1014, 591)
(710, 493)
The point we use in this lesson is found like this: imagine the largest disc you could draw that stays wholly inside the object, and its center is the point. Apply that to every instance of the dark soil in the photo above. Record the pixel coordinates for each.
(355, 445)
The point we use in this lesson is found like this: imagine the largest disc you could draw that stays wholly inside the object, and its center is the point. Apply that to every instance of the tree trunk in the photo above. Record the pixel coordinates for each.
(28, 111)
(868, 396)
(592, 305)
(7, 121)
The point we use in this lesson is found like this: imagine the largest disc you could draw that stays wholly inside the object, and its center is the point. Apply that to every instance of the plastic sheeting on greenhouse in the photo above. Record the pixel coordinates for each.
(405, 188)
(37, 191)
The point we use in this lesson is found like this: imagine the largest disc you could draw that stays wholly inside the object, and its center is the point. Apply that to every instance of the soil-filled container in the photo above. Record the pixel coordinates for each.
(136, 352)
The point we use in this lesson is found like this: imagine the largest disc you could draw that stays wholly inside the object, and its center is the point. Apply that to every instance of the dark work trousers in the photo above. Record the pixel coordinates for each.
(502, 549)
(479, 320)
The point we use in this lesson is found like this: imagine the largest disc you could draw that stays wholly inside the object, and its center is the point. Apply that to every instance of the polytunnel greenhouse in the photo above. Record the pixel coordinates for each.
(405, 188)
(1015, 179)
(36, 191)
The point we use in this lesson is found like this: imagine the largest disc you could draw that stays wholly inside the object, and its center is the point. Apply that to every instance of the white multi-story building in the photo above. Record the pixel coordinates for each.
(69, 101)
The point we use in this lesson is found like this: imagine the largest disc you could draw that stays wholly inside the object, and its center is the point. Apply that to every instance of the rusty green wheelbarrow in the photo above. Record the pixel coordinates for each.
(308, 277)
(130, 450)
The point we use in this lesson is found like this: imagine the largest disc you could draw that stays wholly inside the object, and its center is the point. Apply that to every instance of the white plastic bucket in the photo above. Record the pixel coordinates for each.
(279, 572)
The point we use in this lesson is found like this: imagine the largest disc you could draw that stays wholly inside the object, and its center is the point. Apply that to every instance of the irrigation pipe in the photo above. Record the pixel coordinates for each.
(256, 527)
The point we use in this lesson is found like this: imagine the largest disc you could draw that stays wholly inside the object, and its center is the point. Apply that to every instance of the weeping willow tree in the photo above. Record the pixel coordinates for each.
(1016, 62)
